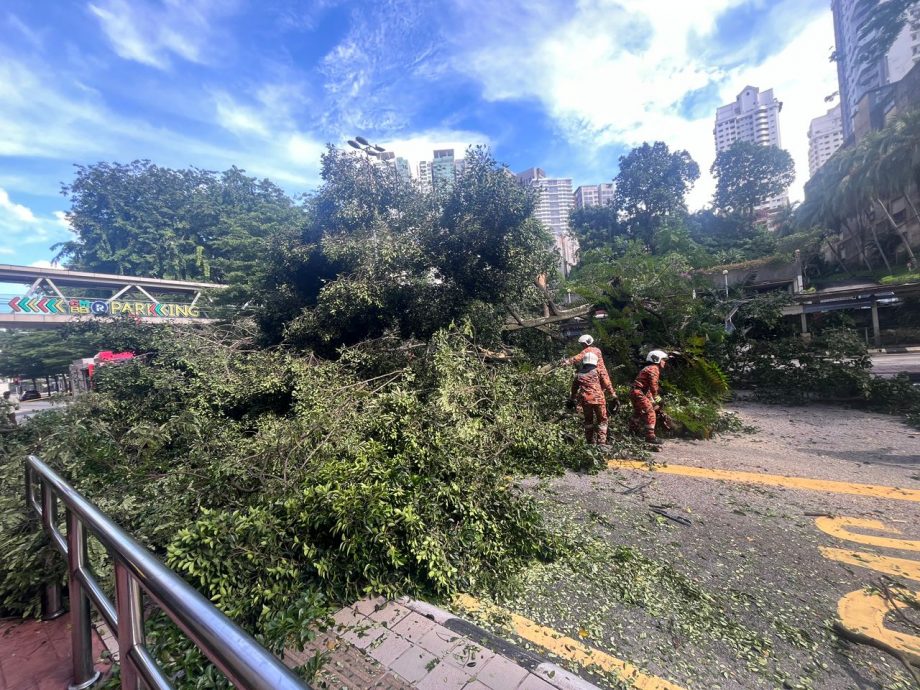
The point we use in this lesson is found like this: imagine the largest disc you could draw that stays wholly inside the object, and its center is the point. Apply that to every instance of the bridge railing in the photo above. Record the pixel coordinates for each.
(137, 572)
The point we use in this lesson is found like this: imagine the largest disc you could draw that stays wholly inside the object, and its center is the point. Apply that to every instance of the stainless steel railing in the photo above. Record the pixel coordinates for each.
(137, 571)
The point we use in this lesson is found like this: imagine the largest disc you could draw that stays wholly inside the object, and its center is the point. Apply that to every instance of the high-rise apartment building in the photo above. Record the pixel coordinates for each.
(594, 194)
(424, 174)
(442, 171)
(555, 203)
(399, 165)
(857, 78)
(753, 117)
(825, 136)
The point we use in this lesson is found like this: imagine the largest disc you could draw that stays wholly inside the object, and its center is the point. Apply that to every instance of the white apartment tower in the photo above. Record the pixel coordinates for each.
(594, 195)
(857, 78)
(441, 171)
(553, 208)
(825, 136)
(753, 117)
(424, 174)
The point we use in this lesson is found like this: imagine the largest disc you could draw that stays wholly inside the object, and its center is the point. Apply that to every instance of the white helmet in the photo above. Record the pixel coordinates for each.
(586, 339)
(589, 358)
(656, 356)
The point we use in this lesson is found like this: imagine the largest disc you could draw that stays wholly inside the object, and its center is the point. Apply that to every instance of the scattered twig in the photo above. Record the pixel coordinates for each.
(860, 638)
(675, 518)
(637, 488)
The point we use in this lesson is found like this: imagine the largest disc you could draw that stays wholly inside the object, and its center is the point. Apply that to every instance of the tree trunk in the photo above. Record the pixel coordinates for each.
(567, 315)
(859, 234)
(837, 256)
(878, 245)
(897, 228)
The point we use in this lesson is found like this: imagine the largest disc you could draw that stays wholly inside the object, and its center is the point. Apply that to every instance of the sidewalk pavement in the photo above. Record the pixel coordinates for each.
(379, 644)
(404, 644)
(35, 655)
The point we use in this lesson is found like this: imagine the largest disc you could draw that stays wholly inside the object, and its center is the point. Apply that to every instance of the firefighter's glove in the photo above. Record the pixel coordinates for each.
(570, 404)
(613, 405)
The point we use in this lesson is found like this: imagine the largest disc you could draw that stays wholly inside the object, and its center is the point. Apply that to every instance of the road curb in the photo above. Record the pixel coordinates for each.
(552, 673)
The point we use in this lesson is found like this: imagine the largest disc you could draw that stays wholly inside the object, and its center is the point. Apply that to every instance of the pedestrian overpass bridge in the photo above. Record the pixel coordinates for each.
(55, 297)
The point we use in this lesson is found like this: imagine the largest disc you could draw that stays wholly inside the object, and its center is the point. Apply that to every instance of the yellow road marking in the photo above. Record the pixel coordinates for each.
(865, 613)
(838, 527)
(826, 485)
(898, 567)
(567, 647)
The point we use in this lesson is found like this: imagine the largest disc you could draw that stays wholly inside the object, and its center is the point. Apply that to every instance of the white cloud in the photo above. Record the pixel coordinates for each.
(14, 211)
(45, 113)
(61, 218)
(418, 147)
(42, 263)
(152, 33)
(23, 226)
(238, 118)
(603, 89)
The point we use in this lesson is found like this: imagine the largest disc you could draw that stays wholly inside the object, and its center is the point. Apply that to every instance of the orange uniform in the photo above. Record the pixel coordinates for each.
(588, 391)
(644, 391)
(600, 364)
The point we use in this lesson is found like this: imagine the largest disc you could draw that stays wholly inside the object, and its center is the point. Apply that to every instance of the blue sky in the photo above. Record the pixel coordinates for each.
(566, 85)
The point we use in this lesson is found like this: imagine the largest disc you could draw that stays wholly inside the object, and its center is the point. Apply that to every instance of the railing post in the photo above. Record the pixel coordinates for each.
(130, 623)
(84, 673)
(52, 606)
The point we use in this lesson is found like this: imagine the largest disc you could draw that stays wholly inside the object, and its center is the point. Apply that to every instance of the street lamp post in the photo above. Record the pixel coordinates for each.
(370, 151)
(725, 276)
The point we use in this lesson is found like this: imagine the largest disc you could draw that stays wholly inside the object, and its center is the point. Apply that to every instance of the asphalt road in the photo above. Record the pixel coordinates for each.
(32, 407)
(737, 584)
(891, 364)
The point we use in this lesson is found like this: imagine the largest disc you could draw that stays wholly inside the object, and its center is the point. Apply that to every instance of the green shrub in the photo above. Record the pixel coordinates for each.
(832, 366)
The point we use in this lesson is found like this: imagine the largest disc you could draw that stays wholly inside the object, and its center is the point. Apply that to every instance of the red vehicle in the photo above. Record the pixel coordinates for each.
(81, 371)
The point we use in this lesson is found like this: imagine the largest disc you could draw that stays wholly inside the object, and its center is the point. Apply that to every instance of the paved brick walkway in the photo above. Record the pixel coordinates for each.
(35, 655)
(387, 645)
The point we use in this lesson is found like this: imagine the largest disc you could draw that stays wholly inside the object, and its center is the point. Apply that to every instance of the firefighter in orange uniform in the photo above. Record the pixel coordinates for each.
(587, 343)
(645, 396)
(588, 390)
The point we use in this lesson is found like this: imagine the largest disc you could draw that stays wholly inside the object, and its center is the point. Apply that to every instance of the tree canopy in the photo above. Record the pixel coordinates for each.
(747, 175)
(651, 188)
(189, 224)
(378, 253)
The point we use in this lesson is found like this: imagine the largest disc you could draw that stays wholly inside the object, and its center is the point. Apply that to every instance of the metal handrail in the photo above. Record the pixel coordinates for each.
(137, 571)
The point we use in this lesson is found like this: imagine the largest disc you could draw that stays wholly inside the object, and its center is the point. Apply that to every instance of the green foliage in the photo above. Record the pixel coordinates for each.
(191, 224)
(833, 365)
(697, 376)
(747, 175)
(897, 395)
(651, 188)
(379, 254)
(850, 195)
(731, 238)
(597, 227)
(259, 474)
(900, 278)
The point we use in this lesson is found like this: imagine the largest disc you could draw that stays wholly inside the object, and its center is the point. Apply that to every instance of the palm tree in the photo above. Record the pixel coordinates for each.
(896, 168)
